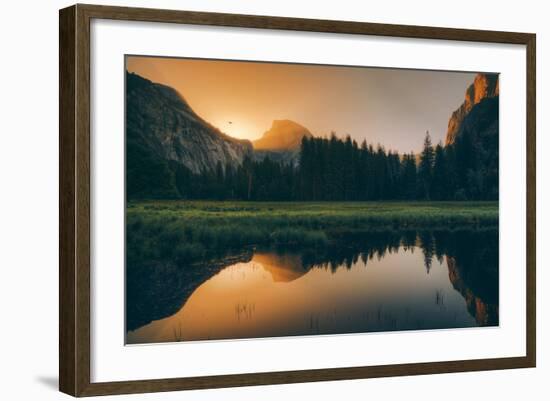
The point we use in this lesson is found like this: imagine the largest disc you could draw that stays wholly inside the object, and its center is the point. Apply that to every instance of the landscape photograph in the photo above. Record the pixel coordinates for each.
(268, 199)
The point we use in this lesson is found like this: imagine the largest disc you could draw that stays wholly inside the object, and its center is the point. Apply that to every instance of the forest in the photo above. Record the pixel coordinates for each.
(335, 169)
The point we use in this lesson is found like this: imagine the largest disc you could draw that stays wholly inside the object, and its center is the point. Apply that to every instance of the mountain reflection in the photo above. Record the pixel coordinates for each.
(395, 281)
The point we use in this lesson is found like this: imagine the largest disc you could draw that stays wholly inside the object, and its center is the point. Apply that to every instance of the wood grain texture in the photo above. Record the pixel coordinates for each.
(67, 294)
(531, 228)
(301, 24)
(82, 194)
(299, 376)
(74, 198)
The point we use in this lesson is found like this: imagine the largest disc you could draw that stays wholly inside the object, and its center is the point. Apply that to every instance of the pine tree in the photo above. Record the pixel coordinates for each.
(408, 177)
(440, 175)
(425, 169)
(341, 169)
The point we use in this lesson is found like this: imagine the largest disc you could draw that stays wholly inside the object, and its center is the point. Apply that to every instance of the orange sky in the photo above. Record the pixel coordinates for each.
(388, 106)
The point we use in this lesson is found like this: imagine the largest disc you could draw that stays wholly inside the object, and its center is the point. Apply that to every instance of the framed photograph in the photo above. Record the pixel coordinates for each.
(250, 200)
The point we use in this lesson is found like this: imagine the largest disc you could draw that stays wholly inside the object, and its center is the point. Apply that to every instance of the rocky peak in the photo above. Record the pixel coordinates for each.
(484, 86)
(165, 127)
(283, 135)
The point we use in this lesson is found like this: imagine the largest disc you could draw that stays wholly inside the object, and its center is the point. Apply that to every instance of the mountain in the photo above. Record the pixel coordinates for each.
(282, 268)
(158, 289)
(165, 137)
(281, 143)
(473, 140)
(485, 86)
(283, 135)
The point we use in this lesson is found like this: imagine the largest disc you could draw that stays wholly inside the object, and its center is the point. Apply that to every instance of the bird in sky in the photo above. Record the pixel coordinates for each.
(230, 122)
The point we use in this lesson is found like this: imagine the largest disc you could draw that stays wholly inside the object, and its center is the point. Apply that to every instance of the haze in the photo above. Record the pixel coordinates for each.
(393, 107)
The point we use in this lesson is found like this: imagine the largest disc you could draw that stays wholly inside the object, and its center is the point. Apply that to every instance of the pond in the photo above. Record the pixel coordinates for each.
(378, 282)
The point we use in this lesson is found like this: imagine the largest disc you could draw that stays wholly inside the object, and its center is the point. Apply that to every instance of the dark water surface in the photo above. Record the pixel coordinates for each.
(375, 282)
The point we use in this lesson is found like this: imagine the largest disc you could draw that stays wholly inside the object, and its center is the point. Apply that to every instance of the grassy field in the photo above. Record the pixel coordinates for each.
(186, 231)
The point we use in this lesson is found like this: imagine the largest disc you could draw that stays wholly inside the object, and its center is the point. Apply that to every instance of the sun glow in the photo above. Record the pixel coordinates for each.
(237, 126)
(242, 99)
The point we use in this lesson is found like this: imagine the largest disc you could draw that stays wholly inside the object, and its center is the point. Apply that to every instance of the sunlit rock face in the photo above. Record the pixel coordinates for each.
(282, 268)
(283, 135)
(281, 143)
(163, 123)
(485, 313)
(484, 86)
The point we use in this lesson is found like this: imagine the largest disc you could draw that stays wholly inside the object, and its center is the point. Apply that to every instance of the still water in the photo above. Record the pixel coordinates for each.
(289, 293)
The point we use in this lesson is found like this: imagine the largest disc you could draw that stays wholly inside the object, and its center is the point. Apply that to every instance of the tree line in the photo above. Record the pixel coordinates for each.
(335, 169)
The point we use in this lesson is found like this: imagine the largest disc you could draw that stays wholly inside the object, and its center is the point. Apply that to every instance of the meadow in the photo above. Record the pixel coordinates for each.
(188, 231)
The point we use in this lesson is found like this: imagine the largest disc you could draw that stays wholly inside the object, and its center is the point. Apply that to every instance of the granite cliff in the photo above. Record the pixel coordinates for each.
(282, 142)
(283, 135)
(472, 141)
(485, 86)
(163, 132)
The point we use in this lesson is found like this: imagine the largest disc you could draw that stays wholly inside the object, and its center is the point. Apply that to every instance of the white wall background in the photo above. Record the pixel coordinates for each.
(29, 185)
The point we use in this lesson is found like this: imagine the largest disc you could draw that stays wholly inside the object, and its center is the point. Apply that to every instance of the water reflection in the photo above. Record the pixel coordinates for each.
(373, 282)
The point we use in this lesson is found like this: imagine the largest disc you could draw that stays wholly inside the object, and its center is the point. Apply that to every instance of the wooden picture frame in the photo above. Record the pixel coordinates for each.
(74, 204)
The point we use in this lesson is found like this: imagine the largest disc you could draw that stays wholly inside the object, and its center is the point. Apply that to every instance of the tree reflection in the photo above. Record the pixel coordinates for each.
(471, 257)
(155, 291)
